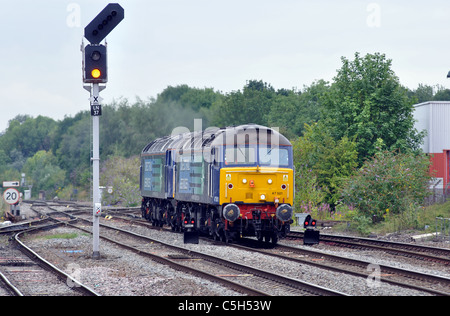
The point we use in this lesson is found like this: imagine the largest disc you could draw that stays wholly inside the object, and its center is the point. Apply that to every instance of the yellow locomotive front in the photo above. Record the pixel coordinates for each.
(257, 185)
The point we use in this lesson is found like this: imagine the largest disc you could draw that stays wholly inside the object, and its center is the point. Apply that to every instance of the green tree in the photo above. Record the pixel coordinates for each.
(188, 97)
(73, 151)
(291, 110)
(367, 102)
(251, 105)
(388, 183)
(122, 175)
(442, 95)
(28, 135)
(318, 156)
(44, 172)
(423, 93)
(4, 160)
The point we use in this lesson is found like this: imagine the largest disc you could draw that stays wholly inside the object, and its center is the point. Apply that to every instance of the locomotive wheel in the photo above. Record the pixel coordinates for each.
(274, 238)
(217, 229)
(259, 236)
(227, 238)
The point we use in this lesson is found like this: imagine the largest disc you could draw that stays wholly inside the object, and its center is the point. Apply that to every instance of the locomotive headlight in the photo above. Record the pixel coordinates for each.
(270, 181)
(244, 181)
(263, 197)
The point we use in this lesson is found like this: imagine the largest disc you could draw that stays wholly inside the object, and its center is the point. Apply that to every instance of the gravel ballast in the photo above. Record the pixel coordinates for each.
(119, 272)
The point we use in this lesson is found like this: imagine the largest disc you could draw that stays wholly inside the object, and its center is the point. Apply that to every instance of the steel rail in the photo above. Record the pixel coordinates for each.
(10, 286)
(388, 274)
(179, 267)
(385, 270)
(49, 266)
(294, 283)
(395, 248)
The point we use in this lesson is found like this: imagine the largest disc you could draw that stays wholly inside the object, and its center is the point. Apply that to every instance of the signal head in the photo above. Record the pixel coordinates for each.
(95, 64)
(104, 23)
(307, 221)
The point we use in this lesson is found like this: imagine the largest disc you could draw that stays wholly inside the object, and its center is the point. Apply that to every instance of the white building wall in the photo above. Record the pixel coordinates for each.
(422, 117)
(434, 117)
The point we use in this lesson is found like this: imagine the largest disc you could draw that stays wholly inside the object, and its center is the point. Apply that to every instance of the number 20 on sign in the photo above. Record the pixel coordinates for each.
(11, 196)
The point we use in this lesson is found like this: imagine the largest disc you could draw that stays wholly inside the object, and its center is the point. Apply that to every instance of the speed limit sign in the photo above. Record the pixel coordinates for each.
(11, 196)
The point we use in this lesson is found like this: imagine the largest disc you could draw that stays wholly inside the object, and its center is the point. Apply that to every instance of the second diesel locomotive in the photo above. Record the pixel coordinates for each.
(226, 183)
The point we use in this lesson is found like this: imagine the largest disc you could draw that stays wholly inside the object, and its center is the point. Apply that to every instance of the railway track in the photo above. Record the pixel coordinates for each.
(439, 255)
(241, 277)
(419, 281)
(24, 273)
(424, 282)
(427, 283)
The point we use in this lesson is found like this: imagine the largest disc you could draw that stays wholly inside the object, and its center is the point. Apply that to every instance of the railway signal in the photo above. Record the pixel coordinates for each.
(104, 23)
(95, 72)
(95, 64)
(311, 236)
(191, 235)
(309, 222)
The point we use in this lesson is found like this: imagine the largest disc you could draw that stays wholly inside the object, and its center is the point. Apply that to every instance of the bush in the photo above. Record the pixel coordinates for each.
(123, 176)
(388, 183)
(322, 164)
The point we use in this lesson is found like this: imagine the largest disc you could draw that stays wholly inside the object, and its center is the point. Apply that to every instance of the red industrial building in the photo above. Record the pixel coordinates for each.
(434, 117)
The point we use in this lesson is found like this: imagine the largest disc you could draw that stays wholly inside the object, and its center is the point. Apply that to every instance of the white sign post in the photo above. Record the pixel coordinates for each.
(95, 72)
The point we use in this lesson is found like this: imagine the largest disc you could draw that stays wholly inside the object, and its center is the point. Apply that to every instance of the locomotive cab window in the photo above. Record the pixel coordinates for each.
(240, 155)
(273, 156)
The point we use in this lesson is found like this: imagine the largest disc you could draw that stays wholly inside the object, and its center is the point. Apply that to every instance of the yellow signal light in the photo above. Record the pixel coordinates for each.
(96, 73)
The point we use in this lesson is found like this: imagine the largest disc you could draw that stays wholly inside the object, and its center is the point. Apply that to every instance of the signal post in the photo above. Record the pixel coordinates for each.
(95, 73)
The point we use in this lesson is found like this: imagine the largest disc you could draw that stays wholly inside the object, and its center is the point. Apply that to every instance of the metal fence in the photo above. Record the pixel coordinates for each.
(438, 195)
(443, 228)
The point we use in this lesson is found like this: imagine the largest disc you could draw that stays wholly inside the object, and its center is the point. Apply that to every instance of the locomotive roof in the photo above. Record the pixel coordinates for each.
(234, 135)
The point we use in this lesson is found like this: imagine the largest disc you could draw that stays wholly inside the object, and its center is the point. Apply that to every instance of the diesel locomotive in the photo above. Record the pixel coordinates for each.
(223, 182)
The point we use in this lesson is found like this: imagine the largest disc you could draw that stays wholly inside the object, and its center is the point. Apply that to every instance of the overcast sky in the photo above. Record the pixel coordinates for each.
(210, 43)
